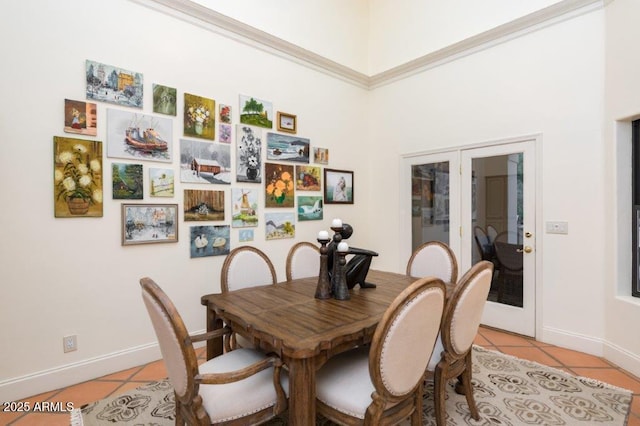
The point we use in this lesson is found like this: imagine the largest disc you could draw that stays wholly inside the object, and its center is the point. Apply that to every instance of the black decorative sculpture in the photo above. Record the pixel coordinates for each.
(323, 289)
(357, 267)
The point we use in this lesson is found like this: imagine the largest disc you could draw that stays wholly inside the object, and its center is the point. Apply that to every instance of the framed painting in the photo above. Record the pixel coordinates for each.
(224, 114)
(161, 182)
(164, 99)
(139, 136)
(310, 207)
(321, 155)
(256, 112)
(127, 181)
(245, 235)
(77, 175)
(199, 117)
(286, 122)
(205, 162)
(279, 185)
(203, 205)
(209, 240)
(80, 117)
(244, 207)
(338, 186)
(224, 132)
(279, 225)
(248, 153)
(308, 178)
(149, 223)
(287, 148)
(107, 83)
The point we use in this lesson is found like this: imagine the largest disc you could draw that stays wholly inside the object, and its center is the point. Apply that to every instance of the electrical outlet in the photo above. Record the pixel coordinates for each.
(70, 343)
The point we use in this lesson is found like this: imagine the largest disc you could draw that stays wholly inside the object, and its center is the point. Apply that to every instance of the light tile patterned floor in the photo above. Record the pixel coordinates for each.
(571, 361)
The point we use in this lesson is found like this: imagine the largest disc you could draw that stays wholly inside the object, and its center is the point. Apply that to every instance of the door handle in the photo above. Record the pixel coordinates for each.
(526, 249)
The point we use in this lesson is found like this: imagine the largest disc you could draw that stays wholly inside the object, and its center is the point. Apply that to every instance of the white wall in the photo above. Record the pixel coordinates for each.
(72, 276)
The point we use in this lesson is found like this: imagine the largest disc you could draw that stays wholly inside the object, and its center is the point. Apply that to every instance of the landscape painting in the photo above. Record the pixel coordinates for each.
(287, 148)
(161, 182)
(138, 136)
(256, 112)
(203, 205)
(80, 117)
(279, 225)
(127, 181)
(244, 212)
(118, 86)
(205, 162)
(310, 208)
(209, 240)
(149, 223)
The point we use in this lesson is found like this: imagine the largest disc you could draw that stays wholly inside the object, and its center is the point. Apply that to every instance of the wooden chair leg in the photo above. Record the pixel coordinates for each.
(439, 393)
(468, 387)
(416, 417)
(179, 417)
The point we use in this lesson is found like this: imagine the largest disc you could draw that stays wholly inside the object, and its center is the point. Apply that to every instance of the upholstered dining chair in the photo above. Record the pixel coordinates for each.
(484, 244)
(243, 386)
(433, 259)
(303, 260)
(492, 233)
(452, 354)
(382, 384)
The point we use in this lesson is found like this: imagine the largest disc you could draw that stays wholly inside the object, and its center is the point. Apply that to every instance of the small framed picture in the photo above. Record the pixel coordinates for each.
(149, 223)
(338, 186)
(286, 122)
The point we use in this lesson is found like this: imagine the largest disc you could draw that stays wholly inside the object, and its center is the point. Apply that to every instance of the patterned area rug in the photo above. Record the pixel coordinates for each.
(508, 391)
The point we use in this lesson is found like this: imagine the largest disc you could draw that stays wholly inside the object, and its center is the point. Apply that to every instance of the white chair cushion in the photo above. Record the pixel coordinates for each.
(305, 263)
(234, 400)
(436, 355)
(248, 269)
(344, 383)
(432, 261)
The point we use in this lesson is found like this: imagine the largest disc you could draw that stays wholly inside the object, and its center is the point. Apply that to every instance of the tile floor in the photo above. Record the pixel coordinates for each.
(571, 361)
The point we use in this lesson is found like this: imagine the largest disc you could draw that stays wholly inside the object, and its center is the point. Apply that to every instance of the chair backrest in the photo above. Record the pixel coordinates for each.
(433, 259)
(175, 344)
(464, 309)
(508, 256)
(303, 261)
(405, 337)
(492, 232)
(244, 267)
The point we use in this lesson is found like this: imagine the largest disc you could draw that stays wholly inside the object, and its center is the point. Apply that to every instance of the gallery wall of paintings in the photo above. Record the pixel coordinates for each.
(235, 166)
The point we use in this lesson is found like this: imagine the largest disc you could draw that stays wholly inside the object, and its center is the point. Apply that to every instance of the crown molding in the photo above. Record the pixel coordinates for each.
(218, 23)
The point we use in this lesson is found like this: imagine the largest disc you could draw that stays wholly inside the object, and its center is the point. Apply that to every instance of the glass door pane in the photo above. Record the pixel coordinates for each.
(429, 203)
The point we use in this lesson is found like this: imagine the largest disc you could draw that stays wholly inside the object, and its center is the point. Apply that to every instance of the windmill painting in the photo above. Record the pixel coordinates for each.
(244, 203)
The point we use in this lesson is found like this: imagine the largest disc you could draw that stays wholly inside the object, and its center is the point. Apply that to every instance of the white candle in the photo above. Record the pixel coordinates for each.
(343, 246)
(337, 223)
(323, 235)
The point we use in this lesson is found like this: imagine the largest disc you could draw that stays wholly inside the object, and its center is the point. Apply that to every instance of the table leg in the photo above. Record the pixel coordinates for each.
(214, 346)
(302, 392)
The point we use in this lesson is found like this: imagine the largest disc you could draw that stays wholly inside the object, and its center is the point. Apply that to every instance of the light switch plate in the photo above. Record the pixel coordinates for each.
(557, 227)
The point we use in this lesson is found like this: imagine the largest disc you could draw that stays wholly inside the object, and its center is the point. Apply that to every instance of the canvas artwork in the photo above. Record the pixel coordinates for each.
(279, 225)
(310, 207)
(203, 205)
(248, 153)
(77, 177)
(127, 181)
(224, 114)
(209, 240)
(224, 133)
(149, 223)
(338, 186)
(161, 182)
(199, 117)
(279, 185)
(107, 83)
(287, 148)
(321, 155)
(138, 136)
(308, 178)
(205, 162)
(256, 112)
(245, 235)
(244, 207)
(164, 99)
(80, 117)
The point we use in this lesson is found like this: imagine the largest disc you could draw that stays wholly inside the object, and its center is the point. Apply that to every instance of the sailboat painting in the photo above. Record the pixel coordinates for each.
(244, 207)
(310, 208)
(138, 136)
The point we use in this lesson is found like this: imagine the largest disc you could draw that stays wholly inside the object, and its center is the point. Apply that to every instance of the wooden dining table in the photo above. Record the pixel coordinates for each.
(304, 331)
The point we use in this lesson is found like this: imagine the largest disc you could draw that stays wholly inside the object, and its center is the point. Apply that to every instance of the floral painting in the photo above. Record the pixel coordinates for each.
(249, 153)
(205, 162)
(224, 130)
(80, 117)
(310, 208)
(127, 181)
(244, 212)
(225, 114)
(161, 182)
(203, 205)
(209, 240)
(77, 177)
(287, 148)
(164, 99)
(256, 112)
(139, 136)
(279, 185)
(118, 86)
(199, 117)
(308, 178)
(279, 225)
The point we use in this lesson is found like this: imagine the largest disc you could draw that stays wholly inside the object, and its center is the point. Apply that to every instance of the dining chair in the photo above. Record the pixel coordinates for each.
(303, 260)
(244, 386)
(492, 233)
(452, 354)
(511, 266)
(383, 383)
(483, 243)
(433, 259)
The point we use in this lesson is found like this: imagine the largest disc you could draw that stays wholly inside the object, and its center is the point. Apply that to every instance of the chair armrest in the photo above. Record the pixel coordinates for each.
(243, 373)
(211, 334)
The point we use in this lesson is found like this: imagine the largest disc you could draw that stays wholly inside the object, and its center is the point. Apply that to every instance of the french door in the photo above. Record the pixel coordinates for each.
(481, 201)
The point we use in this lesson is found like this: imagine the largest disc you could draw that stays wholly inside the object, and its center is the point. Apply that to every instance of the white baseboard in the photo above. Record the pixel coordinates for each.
(622, 358)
